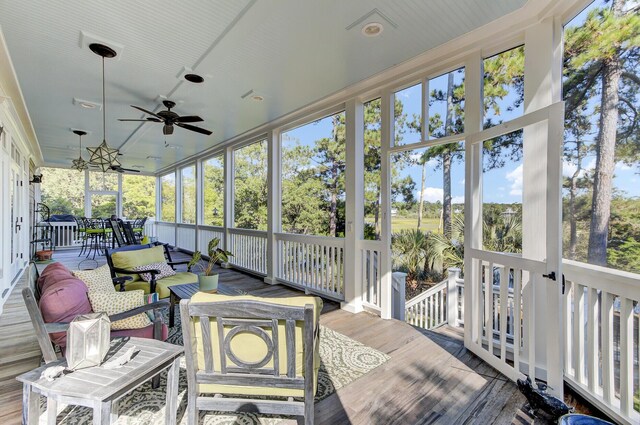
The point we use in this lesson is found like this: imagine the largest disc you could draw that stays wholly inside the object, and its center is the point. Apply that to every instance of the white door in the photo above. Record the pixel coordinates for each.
(513, 301)
(17, 219)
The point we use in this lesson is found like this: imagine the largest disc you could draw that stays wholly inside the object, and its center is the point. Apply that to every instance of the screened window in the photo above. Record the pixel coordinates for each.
(372, 164)
(138, 196)
(63, 191)
(213, 174)
(407, 123)
(250, 186)
(168, 197)
(99, 181)
(313, 188)
(188, 178)
(503, 86)
(446, 104)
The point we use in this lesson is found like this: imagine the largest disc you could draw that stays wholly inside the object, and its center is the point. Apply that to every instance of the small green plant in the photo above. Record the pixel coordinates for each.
(215, 254)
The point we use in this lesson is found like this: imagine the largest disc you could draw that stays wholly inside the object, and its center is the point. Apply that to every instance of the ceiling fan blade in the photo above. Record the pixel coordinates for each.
(194, 128)
(167, 129)
(147, 112)
(122, 170)
(123, 119)
(189, 118)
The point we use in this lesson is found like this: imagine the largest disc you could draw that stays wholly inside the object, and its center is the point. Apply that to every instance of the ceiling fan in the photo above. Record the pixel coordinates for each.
(118, 167)
(170, 118)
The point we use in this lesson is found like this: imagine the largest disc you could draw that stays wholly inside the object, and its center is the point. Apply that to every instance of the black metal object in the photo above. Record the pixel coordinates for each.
(551, 276)
(540, 401)
(102, 50)
(170, 118)
(194, 78)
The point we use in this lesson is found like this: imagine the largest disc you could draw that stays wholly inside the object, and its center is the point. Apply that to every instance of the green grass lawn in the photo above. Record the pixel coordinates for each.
(411, 223)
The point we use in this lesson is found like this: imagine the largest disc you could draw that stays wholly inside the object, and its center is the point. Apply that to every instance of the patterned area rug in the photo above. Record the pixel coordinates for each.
(343, 360)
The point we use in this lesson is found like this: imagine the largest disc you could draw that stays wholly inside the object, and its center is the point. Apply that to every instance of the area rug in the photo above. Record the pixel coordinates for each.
(343, 360)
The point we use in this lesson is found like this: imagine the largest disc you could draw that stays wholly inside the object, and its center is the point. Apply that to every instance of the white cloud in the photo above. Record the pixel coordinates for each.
(415, 156)
(462, 182)
(621, 166)
(515, 177)
(457, 200)
(433, 163)
(568, 168)
(433, 194)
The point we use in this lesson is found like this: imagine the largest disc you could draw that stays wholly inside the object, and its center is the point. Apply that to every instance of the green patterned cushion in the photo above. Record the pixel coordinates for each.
(97, 280)
(119, 302)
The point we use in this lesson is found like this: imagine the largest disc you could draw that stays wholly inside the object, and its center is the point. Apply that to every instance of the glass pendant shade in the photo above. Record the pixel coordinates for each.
(103, 156)
(79, 164)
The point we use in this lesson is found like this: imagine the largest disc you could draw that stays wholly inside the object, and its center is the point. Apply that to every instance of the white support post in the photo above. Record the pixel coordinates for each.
(386, 138)
(452, 296)
(274, 204)
(199, 202)
(473, 196)
(119, 198)
(228, 197)
(541, 217)
(158, 198)
(354, 205)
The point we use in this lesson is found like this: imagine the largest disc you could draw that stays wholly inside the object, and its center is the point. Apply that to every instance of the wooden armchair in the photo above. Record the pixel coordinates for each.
(225, 340)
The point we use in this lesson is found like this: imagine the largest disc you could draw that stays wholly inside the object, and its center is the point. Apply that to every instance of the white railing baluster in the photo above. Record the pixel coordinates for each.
(504, 301)
(607, 348)
(592, 340)
(517, 307)
(626, 356)
(578, 333)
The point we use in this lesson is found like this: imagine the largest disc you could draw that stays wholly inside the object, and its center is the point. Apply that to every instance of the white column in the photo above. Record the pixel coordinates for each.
(274, 204)
(158, 198)
(541, 217)
(354, 185)
(228, 197)
(199, 203)
(473, 193)
(119, 198)
(386, 136)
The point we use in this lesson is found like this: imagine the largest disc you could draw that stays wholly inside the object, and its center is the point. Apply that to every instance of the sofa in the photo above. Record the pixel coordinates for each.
(61, 296)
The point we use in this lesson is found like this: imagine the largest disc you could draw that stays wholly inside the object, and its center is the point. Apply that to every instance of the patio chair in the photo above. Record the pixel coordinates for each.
(97, 233)
(129, 234)
(132, 260)
(117, 232)
(81, 233)
(225, 341)
(138, 227)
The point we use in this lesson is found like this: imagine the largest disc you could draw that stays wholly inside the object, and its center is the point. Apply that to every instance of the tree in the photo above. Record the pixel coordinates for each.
(63, 191)
(250, 180)
(599, 55)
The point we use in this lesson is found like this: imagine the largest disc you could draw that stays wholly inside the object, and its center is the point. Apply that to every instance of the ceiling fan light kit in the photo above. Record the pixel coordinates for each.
(103, 155)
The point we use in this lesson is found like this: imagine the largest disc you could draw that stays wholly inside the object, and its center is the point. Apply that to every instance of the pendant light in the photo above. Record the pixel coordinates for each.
(80, 164)
(103, 156)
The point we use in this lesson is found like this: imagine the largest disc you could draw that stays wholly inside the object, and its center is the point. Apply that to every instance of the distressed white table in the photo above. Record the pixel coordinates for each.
(100, 388)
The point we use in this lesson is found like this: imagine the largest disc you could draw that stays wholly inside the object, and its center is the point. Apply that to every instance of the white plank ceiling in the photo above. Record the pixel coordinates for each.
(292, 52)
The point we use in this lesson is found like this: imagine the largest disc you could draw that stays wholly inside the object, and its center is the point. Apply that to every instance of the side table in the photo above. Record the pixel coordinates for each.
(99, 388)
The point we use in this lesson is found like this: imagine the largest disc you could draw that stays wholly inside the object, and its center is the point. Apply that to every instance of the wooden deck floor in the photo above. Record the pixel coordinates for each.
(431, 378)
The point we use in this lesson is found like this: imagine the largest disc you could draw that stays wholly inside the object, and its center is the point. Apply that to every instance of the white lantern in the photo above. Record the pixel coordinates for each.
(88, 339)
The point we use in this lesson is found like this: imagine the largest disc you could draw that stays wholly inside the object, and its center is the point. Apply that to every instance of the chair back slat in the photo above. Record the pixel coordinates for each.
(205, 328)
(276, 352)
(42, 334)
(290, 330)
(221, 353)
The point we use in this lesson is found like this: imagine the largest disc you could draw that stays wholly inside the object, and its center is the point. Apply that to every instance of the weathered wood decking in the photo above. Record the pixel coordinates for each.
(430, 378)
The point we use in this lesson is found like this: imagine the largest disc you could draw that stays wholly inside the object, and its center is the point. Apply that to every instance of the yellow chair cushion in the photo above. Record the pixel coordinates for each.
(140, 257)
(162, 285)
(250, 347)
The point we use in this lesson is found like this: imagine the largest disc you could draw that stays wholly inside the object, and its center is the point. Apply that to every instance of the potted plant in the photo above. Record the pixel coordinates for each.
(207, 279)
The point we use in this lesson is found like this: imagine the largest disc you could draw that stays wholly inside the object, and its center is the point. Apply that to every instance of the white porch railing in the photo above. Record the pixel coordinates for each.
(186, 236)
(602, 312)
(371, 273)
(206, 233)
(249, 248)
(166, 232)
(312, 263)
(438, 305)
(65, 234)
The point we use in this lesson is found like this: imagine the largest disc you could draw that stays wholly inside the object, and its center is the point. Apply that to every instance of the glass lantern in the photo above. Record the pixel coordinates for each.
(88, 339)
